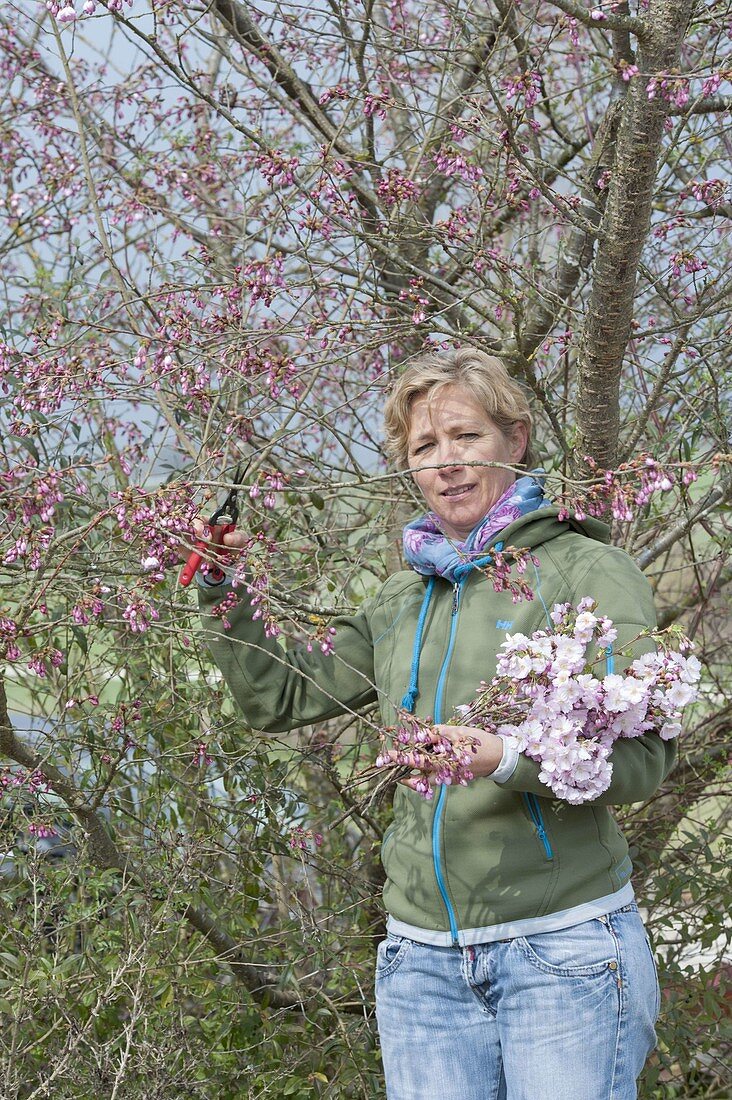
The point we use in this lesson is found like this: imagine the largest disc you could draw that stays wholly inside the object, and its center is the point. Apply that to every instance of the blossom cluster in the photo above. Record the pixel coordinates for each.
(139, 614)
(37, 499)
(67, 13)
(155, 522)
(395, 188)
(625, 489)
(376, 104)
(547, 702)
(35, 782)
(41, 658)
(671, 87)
(253, 573)
(323, 636)
(450, 161)
(276, 166)
(441, 760)
(506, 569)
(416, 295)
(527, 84)
(263, 278)
(201, 758)
(271, 483)
(300, 839)
(712, 192)
(8, 635)
(221, 610)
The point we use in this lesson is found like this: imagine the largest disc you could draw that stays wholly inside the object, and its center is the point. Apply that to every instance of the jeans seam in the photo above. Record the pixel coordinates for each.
(620, 986)
(499, 1078)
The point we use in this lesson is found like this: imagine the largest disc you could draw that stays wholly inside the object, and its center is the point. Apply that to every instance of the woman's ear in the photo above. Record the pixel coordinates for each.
(519, 441)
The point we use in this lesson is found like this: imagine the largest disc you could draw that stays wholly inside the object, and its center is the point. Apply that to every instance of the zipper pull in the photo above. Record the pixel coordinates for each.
(455, 597)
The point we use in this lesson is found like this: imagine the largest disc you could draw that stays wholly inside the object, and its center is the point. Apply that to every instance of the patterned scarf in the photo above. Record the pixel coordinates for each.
(431, 552)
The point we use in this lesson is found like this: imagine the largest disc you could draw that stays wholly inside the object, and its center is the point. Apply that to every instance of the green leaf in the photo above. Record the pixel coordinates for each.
(27, 443)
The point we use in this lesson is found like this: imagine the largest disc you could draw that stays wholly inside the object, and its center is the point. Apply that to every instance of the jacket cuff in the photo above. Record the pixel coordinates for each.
(525, 778)
(507, 767)
(209, 592)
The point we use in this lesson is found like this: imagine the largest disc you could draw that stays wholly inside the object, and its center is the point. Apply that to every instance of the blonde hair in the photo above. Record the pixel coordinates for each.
(483, 375)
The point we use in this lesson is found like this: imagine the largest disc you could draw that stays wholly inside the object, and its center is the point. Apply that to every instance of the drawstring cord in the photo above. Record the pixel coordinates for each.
(410, 698)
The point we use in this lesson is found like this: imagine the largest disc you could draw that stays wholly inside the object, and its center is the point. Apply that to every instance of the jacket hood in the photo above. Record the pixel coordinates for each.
(544, 524)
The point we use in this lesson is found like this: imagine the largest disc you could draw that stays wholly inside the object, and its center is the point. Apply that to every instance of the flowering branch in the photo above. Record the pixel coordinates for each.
(546, 702)
(596, 16)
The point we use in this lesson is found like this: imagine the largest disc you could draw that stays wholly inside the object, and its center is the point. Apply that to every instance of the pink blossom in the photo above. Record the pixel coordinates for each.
(626, 70)
(201, 759)
(711, 84)
(139, 614)
(376, 104)
(395, 188)
(277, 166)
(451, 162)
(527, 85)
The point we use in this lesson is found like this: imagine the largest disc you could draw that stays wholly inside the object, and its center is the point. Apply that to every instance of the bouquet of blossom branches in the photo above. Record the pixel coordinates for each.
(548, 701)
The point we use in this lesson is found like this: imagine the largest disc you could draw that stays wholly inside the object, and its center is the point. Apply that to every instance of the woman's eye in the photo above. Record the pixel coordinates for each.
(469, 435)
(421, 449)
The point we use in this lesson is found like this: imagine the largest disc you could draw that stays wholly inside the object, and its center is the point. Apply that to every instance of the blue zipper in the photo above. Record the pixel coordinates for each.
(440, 806)
(537, 817)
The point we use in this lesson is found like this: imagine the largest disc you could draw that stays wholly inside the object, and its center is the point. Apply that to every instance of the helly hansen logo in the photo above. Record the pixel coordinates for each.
(504, 624)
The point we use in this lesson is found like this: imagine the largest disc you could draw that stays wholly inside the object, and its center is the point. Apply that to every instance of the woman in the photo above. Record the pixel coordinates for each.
(515, 963)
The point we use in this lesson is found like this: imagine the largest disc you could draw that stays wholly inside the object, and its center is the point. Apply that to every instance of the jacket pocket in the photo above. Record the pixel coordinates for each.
(537, 818)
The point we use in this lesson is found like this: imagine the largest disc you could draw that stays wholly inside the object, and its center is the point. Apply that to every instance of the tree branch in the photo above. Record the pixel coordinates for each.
(615, 22)
(702, 508)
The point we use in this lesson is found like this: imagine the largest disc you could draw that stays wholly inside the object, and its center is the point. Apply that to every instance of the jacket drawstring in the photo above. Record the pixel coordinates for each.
(409, 701)
(410, 698)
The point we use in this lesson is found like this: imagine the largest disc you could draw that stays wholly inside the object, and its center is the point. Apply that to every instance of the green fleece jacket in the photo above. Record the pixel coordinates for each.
(487, 855)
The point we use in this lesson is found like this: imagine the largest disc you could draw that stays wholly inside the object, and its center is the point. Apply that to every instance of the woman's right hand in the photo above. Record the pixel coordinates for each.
(234, 540)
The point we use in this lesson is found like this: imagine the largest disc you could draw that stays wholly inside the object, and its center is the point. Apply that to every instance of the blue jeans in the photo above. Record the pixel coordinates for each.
(563, 1015)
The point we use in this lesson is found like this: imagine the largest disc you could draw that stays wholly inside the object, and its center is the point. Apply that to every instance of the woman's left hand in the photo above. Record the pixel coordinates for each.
(485, 760)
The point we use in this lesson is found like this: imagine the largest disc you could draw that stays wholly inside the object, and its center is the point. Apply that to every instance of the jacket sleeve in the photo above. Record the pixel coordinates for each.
(640, 764)
(279, 689)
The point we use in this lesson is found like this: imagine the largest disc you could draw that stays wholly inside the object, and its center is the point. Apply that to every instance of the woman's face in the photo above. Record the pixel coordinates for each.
(450, 430)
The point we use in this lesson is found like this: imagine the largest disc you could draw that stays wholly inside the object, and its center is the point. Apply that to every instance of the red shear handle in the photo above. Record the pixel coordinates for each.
(215, 536)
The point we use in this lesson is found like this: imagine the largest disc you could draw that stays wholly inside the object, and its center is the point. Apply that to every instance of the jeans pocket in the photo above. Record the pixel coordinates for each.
(390, 955)
(580, 951)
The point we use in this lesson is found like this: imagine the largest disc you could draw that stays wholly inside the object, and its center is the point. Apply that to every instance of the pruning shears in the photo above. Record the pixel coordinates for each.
(222, 521)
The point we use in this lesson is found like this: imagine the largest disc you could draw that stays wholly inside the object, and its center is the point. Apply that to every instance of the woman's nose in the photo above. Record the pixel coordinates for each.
(449, 453)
